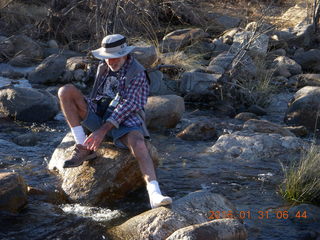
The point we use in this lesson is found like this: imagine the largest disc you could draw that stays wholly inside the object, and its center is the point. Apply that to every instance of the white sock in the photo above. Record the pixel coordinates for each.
(155, 196)
(78, 134)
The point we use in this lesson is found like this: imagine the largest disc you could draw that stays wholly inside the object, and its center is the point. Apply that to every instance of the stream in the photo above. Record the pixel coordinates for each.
(185, 166)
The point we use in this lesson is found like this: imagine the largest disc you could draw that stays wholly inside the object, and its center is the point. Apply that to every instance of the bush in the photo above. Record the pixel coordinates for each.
(302, 180)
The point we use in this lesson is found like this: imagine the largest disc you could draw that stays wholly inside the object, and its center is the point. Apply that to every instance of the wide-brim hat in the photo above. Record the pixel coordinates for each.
(112, 46)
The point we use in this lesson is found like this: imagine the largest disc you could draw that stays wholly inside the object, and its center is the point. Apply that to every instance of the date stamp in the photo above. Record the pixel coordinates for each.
(274, 214)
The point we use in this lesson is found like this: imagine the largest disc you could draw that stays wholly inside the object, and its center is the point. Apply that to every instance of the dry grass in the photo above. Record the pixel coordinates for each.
(302, 181)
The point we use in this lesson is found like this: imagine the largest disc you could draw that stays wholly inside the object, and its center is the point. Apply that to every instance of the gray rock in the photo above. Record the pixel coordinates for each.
(79, 75)
(49, 70)
(299, 131)
(303, 108)
(161, 222)
(253, 148)
(27, 104)
(164, 111)
(158, 85)
(286, 67)
(13, 192)
(224, 21)
(245, 116)
(179, 39)
(28, 139)
(197, 82)
(308, 79)
(53, 44)
(256, 44)
(146, 55)
(107, 178)
(26, 51)
(257, 110)
(217, 229)
(309, 60)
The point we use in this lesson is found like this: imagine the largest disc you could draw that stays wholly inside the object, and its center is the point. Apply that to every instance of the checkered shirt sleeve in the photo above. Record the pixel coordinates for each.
(133, 99)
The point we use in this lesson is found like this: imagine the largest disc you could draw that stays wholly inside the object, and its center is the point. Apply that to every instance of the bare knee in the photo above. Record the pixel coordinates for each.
(136, 142)
(66, 91)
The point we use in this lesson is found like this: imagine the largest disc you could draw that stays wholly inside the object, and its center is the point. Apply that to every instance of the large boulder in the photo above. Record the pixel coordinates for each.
(164, 111)
(179, 39)
(13, 192)
(49, 70)
(254, 148)
(193, 209)
(296, 14)
(303, 109)
(27, 104)
(26, 51)
(110, 176)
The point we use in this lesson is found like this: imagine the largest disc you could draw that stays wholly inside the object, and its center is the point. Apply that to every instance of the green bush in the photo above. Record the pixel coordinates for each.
(302, 180)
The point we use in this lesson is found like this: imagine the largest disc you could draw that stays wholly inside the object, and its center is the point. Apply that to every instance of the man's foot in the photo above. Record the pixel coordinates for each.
(155, 196)
(79, 155)
(158, 200)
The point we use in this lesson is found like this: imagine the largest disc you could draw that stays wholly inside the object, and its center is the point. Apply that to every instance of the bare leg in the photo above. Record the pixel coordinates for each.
(135, 142)
(73, 105)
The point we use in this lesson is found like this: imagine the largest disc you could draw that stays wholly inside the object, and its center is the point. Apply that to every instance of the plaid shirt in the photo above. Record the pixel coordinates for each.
(133, 97)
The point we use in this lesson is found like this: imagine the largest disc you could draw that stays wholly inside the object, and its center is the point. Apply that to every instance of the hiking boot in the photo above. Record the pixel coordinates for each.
(79, 155)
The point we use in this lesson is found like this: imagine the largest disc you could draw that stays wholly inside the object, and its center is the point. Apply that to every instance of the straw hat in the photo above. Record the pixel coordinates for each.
(112, 46)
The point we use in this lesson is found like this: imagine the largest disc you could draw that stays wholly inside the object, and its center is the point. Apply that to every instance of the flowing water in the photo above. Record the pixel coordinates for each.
(185, 167)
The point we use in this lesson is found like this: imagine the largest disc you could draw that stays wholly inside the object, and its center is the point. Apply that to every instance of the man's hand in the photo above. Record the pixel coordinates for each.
(94, 140)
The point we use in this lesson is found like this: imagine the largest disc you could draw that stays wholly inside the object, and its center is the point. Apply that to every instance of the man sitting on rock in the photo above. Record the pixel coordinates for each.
(119, 93)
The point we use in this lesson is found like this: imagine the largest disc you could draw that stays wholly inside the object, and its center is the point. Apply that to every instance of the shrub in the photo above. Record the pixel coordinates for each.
(302, 180)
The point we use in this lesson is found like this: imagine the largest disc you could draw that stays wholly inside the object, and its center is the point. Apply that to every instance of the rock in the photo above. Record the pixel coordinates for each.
(245, 116)
(179, 39)
(164, 111)
(110, 176)
(272, 55)
(6, 48)
(49, 70)
(227, 36)
(202, 49)
(264, 126)
(303, 108)
(258, 46)
(27, 104)
(254, 148)
(74, 63)
(225, 60)
(198, 131)
(308, 79)
(28, 139)
(55, 196)
(160, 223)
(299, 131)
(158, 85)
(146, 55)
(261, 27)
(217, 229)
(223, 21)
(79, 75)
(257, 110)
(309, 60)
(26, 51)
(63, 52)
(223, 108)
(197, 82)
(13, 192)
(304, 213)
(219, 47)
(53, 44)
(286, 67)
